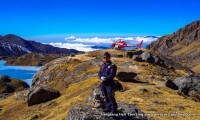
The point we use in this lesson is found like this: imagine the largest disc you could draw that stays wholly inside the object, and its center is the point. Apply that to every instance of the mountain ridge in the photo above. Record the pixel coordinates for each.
(15, 46)
(182, 46)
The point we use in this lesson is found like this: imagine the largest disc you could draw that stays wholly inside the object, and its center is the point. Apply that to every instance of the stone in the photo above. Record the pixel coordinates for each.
(146, 56)
(41, 94)
(10, 85)
(170, 84)
(5, 78)
(117, 85)
(137, 58)
(126, 76)
(188, 83)
(180, 107)
(97, 98)
(143, 90)
(189, 86)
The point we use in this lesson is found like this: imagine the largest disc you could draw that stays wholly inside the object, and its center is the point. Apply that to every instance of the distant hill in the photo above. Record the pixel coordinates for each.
(151, 37)
(14, 46)
(33, 59)
(99, 47)
(182, 46)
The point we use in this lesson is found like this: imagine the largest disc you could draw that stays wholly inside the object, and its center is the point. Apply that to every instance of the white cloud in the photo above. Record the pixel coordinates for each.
(124, 38)
(146, 40)
(97, 40)
(77, 46)
(85, 44)
(70, 38)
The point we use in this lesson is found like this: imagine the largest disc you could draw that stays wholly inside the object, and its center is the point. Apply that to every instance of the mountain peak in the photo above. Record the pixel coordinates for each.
(12, 36)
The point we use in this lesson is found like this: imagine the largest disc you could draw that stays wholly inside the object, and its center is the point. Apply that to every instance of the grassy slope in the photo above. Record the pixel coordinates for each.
(191, 50)
(78, 93)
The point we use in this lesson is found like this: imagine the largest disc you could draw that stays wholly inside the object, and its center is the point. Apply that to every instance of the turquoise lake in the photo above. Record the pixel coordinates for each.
(24, 73)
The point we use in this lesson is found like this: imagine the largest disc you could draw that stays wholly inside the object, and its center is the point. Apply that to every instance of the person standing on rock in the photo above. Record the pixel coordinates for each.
(106, 74)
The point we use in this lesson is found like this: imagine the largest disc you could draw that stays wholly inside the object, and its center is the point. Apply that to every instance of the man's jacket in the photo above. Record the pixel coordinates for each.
(108, 70)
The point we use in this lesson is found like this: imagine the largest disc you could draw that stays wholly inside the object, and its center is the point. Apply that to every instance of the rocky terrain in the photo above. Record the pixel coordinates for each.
(33, 59)
(148, 87)
(182, 46)
(15, 46)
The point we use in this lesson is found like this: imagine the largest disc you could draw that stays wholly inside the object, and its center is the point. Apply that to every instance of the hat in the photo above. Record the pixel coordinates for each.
(106, 54)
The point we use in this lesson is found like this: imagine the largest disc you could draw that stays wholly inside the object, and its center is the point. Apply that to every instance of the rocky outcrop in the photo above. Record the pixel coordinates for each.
(150, 58)
(47, 73)
(95, 112)
(182, 46)
(97, 97)
(189, 85)
(41, 94)
(128, 112)
(159, 59)
(10, 85)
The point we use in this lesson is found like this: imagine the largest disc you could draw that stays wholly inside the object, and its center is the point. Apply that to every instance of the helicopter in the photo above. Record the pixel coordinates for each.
(121, 44)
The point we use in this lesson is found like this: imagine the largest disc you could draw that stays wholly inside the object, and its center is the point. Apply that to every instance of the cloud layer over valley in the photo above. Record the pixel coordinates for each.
(90, 44)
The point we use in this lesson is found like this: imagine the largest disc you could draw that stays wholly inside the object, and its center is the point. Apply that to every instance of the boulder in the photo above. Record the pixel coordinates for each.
(97, 97)
(146, 56)
(10, 85)
(170, 84)
(143, 90)
(117, 85)
(130, 54)
(126, 76)
(158, 60)
(189, 85)
(127, 112)
(40, 94)
(5, 78)
(137, 58)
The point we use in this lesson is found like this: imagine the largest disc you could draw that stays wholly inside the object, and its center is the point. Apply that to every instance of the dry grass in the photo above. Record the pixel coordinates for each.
(83, 57)
(159, 100)
(76, 94)
(167, 98)
(183, 50)
(196, 69)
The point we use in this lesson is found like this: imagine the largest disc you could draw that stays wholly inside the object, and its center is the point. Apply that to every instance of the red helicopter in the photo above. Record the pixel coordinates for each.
(120, 44)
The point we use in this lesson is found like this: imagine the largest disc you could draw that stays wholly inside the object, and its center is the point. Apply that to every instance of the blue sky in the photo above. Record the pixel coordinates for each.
(33, 18)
